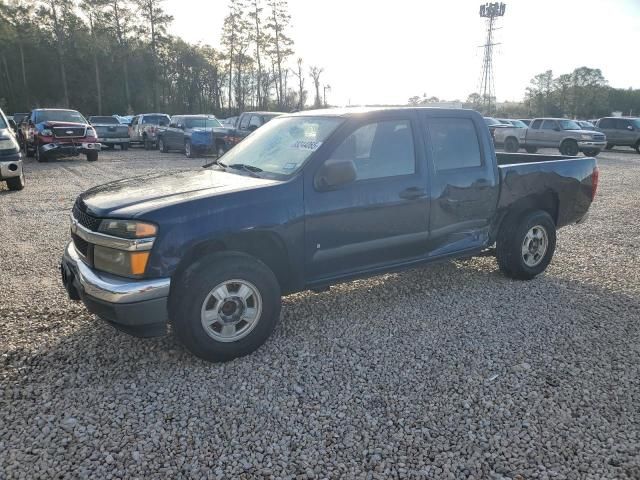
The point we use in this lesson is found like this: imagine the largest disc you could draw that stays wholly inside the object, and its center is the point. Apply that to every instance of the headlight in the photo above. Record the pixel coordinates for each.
(127, 228)
(8, 144)
(91, 132)
(586, 137)
(119, 262)
(46, 132)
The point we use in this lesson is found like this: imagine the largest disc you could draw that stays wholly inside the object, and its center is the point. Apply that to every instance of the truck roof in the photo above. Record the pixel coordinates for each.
(353, 111)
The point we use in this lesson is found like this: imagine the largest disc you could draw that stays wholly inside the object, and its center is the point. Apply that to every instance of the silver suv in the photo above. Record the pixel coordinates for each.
(144, 129)
(622, 131)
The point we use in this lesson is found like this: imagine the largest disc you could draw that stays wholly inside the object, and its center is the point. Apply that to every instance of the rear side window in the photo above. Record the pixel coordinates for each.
(535, 124)
(454, 143)
(256, 121)
(622, 124)
(380, 149)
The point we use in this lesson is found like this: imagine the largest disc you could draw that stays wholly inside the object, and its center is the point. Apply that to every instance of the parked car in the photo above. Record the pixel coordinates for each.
(191, 134)
(247, 123)
(310, 200)
(144, 129)
(52, 132)
(586, 125)
(110, 131)
(229, 122)
(124, 120)
(10, 156)
(561, 133)
(526, 121)
(621, 131)
(493, 124)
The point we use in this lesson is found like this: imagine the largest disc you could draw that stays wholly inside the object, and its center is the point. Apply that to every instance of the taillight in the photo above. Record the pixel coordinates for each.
(594, 182)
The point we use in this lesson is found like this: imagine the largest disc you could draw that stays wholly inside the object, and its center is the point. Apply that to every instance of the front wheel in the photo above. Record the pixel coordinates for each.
(40, 157)
(526, 244)
(225, 306)
(609, 146)
(569, 148)
(511, 145)
(162, 146)
(92, 156)
(188, 149)
(16, 183)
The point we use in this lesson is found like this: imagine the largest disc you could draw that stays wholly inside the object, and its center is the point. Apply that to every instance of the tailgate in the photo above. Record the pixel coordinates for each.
(112, 131)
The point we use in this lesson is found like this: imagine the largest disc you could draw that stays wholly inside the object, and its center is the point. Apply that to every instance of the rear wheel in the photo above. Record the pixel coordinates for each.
(511, 145)
(637, 147)
(531, 149)
(225, 306)
(147, 143)
(16, 183)
(526, 244)
(162, 146)
(188, 150)
(569, 147)
(92, 156)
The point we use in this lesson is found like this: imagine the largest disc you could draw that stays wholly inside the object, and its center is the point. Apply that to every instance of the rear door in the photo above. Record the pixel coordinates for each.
(463, 181)
(174, 134)
(382, 217)
(625, 134)
(607, 126)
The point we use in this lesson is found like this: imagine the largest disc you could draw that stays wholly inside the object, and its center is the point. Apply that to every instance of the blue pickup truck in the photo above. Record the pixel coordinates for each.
(309, 200)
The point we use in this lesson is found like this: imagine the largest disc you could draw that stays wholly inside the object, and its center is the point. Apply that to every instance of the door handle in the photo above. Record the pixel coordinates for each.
(413, 193)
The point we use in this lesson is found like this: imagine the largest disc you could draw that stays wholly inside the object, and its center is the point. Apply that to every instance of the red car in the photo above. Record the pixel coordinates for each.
(49, 132)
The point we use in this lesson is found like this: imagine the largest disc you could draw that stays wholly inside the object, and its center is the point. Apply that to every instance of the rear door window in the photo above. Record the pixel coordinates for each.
(454, 143)
(622, 124)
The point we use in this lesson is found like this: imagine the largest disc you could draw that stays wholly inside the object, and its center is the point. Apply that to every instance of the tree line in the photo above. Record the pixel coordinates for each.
(583, 93)
(116, 56)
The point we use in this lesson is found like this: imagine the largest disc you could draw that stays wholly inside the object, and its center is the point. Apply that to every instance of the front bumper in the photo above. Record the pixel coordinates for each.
(10, 166)
(138, 307)
(589, 145)
(69, 149)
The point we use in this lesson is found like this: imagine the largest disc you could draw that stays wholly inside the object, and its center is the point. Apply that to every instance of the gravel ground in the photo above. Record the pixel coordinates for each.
(451, 371)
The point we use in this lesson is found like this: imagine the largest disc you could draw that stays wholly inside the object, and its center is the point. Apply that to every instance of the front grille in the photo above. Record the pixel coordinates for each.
(81, 245)
(68, 132)
(598, 138)
(84, 219)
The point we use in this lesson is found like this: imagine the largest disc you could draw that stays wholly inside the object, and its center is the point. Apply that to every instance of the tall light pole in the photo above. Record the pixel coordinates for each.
(490, 11)
(325, 88)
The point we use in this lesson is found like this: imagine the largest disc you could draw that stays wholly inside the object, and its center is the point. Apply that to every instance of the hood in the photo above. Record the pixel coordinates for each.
(52, 123)
(131, 197)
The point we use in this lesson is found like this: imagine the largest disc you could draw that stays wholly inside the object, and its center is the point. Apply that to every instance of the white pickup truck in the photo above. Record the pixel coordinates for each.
(561, 133)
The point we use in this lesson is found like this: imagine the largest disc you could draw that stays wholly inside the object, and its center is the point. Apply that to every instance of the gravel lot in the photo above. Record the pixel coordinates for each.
(451, 371)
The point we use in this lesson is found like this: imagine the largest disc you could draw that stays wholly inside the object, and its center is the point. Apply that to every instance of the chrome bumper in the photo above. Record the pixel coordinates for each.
(11, 168)
(589, 144)
(113, 140)
(110, 288)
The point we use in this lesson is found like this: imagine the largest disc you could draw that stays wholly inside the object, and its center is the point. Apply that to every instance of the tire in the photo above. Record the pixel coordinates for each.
(220, 150)
(188, 150)
(609, 146)
(531, 149)
(637, 147)
(16, 183)
(92, 156)
(570, 148)
(591, 153)
(511, 145)
(39, 157)
(535, 227)
(124, 146)
(147, 143)
(162, 146)
(192, 300)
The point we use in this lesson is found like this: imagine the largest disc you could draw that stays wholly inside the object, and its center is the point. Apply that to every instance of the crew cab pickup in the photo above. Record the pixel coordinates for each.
(191, 134)
(144, 129)
(309, 200)
(10, 156)
(110, 132)
(561, 133)
(52, 132)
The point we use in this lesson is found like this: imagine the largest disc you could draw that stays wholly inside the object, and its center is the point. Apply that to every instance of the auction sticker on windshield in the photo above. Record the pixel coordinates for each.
(306, 145)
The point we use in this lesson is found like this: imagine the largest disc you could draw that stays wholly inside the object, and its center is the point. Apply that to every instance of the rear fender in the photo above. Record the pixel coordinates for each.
(547, 201)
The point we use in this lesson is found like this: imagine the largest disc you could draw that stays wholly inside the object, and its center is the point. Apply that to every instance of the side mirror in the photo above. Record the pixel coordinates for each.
(180, 126)
(629, 127)
(335, 173)
(252, 128)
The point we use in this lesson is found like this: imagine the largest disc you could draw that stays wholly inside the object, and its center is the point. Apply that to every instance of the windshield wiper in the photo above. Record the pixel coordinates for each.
(215, 162)
(247, 168)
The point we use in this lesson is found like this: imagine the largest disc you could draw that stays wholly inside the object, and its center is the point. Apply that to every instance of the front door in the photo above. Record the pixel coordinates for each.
(382, 217)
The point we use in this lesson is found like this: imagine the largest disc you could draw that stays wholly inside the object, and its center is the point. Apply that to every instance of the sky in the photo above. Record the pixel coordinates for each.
(383, 52)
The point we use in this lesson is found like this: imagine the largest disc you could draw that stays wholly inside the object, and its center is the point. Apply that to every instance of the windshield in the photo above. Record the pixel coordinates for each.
(569, 125)
(202, 122)
(491, 121)
(60, 116)
(505, 121)
(104, 120)
(518, 124)
(3, 124)
(155, 119)
(283, 145)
